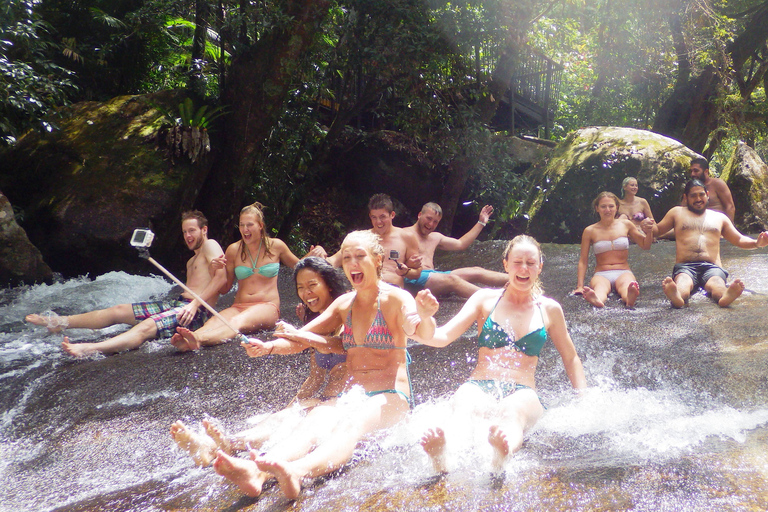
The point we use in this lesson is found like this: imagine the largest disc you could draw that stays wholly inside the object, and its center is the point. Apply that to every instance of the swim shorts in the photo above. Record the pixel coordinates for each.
(421, 282)
(164, 313)
(700, 272)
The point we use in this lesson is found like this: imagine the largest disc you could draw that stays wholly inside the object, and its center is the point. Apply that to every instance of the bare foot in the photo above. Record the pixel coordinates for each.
(178, 341)
(49, 319)
(498, 441)
(289, 481)
(189, 337)
(219, 437)
(734, 290)
(672, 293)
(433, 442)
(241, 472)
(633, 292)
(78, 349)
(591, 297)
(200, 447)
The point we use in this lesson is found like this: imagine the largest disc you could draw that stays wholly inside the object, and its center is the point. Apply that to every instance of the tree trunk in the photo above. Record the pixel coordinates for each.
(257, 83)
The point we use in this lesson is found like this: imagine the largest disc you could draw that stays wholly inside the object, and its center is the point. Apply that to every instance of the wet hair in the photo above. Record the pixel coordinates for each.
(256, 209)
(381, 202)
(335, 282)
(624, 184)
(694, 183)
(700, 161)
(538, 289)
(197, 215)
(605, 194)
(370, 240)
(434, 207)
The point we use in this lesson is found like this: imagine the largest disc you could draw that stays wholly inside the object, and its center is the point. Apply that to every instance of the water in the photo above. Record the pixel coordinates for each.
(676, 417)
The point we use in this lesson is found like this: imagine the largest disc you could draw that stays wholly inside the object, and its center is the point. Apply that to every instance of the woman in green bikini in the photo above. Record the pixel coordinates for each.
(515, 322)
(255, 262)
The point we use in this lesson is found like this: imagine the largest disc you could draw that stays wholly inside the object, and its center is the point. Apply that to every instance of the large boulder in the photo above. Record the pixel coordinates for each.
(102, 172)
(747, 176)
(594, 159)
(20, 261)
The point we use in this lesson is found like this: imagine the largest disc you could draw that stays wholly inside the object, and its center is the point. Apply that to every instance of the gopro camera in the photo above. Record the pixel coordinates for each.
(142, 237)
(395, 255)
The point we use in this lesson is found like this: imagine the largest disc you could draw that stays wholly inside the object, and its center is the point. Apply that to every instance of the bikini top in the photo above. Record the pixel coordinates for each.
(493, 336)
(619, 244)
(267, 270)
(328, 361)
(378, 335)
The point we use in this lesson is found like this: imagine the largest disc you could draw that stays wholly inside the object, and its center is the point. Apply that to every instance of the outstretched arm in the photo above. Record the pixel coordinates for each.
(458, 325)
(667, 223)
(452, 244)
(643, 241)
(418, 315)
(733, 235)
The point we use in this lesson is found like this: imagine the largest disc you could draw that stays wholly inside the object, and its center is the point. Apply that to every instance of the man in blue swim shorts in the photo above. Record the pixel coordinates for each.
(152, 319)
(462, 281)
(697, 238)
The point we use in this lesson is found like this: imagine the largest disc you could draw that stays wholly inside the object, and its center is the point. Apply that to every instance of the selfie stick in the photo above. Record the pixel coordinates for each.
(144, 253)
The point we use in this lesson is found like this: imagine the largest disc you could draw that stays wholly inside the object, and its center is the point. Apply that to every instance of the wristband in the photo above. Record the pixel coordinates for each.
(482, 223)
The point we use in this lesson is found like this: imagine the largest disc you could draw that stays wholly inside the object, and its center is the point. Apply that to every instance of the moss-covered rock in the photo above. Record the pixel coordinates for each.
(20, 261)
(85, 186)
(747, 176)
(594, 159)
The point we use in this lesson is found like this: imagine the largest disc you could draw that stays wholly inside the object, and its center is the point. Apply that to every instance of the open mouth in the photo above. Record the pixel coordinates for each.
(357, 277)
(312, 303)
(522, 279)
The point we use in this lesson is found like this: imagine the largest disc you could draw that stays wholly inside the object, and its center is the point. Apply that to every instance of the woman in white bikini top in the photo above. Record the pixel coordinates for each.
(609, 239)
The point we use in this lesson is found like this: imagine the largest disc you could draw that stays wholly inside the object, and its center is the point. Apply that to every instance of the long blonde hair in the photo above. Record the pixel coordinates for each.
(538, 288)
(257, 210)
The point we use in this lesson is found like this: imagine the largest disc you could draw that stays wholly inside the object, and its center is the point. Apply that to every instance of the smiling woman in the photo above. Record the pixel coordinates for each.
(503, 383)
(255, 262)
(609, 238)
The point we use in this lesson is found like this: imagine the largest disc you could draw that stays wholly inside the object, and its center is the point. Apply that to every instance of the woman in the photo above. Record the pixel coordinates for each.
(376, 318)
(255, 262)
(317, 285)
(632, 207)
(610, 240)
(514, 324)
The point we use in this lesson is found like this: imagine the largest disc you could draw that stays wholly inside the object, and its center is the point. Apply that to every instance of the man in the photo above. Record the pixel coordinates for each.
(401, 249)
(459, 281)
(152, 319)
(697, 240)
(720, 198)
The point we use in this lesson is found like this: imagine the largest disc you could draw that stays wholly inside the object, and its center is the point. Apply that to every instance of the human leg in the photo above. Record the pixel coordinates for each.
(483, 276)
(201, 447)
(627, 288)
(120, 314)
(597, 291)
(263, 315)
(375, 413)
(130, 339)
(518, 413)
(443, 284)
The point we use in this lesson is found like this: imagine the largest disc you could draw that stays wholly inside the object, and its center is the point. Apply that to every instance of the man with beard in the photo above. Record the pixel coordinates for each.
(154, 319)
(461, 281)
(697, 240)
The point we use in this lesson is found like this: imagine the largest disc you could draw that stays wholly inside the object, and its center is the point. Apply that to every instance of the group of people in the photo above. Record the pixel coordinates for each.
(704, 216)
(359, 381)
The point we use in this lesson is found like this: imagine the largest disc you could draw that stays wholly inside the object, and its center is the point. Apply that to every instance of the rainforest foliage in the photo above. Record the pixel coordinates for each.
(293, 76)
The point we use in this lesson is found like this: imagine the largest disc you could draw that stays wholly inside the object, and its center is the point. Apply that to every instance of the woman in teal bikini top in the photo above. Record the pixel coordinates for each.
(266, 270)
(502, 384)
(493, 336)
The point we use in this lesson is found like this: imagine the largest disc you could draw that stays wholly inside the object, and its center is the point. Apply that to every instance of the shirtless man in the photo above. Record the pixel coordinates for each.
(697, 239)
(720, 198)
(461, 280)
(152, 319)
(407, 264)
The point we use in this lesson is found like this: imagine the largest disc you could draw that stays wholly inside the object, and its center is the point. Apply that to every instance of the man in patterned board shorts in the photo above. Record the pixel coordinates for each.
(697, 239)
(156, 319)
